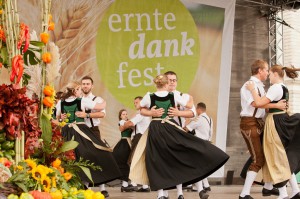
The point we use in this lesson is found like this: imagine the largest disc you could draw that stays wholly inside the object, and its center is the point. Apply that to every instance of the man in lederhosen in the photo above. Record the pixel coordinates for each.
(252, 125)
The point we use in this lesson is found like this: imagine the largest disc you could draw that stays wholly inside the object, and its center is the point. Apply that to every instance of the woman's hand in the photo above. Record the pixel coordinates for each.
(250, 85)
(63, 116)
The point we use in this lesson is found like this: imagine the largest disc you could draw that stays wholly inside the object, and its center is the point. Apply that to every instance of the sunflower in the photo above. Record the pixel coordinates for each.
(31, 163)
(53, 179)
(38, 172)
(46, 182)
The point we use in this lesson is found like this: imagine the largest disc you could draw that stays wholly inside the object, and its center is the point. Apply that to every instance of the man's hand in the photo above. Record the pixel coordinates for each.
(157, 112)
(80, 114)
(282, 104)
(173, 112)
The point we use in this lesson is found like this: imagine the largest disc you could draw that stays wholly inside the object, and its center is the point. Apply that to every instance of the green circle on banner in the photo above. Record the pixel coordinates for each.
(139, 39)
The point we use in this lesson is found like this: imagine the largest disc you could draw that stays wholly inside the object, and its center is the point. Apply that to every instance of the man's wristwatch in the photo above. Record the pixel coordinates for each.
(87, 115)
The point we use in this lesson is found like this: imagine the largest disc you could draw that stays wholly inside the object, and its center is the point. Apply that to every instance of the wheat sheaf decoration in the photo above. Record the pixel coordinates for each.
(76, 24)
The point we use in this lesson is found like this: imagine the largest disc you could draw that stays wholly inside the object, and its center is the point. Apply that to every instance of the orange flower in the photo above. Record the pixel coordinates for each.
(61, 170)
(46, 57)
(44, 37)
(48, 90)
(51, 26)
(56, 163)
(47, 101)
(67, 176)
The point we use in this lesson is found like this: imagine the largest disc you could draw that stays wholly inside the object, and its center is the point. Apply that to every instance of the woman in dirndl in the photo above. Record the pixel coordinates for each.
(90, 147)
(281, 134)
(173, 156)
(122, 151)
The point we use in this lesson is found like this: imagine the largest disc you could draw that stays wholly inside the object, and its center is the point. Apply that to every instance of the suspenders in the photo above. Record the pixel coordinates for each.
(89, 111)
(209, 122)
(255, 110)
(179, 118)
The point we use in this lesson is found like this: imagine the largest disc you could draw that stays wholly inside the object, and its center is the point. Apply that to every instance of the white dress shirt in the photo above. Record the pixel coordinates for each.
(247, 99)
(202, 125)
(96, 121)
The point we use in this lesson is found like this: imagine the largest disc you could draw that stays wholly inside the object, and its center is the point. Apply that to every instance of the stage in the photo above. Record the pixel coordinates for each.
(217, 192)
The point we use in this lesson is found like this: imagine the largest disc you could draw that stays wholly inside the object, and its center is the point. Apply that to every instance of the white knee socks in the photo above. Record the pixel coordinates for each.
(294, 185)
(248, 183)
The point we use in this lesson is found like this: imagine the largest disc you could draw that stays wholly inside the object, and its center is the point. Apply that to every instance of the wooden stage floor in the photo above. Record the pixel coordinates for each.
(217, 192)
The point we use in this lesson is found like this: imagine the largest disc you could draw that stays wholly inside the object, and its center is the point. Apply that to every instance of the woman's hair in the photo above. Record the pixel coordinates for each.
(120, 113)
(160, 81)
(70, 90)
(256, 65)
(291, 72)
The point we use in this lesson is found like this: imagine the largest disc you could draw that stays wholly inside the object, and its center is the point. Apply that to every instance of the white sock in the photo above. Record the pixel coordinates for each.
(124, 184)
(166, 193)
(145, 186)
(160, 193)
(282, 192)
(268, 185)
(294, 185)
(248, 183)
(199, 186)
(102, 187)
(205, 182)
(133, 184)
(179, 189)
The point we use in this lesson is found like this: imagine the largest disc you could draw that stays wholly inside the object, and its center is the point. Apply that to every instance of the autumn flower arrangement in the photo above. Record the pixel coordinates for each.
(59, 180)
(42, 161)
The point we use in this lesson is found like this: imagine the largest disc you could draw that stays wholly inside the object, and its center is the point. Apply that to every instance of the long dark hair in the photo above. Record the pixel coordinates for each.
(120, 113)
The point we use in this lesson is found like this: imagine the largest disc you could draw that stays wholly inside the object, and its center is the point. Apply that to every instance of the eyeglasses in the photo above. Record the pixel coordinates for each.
(172, 80)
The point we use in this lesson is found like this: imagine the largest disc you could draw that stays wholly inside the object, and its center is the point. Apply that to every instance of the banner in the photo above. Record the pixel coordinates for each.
(123, 45)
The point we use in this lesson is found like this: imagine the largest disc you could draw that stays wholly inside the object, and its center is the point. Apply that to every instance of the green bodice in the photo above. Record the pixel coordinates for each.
(162, 102)
(126, 133)
(71, 108)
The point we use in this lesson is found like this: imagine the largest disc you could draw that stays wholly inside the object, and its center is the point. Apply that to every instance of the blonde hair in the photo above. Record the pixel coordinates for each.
(70, 89)
(160, 81)
(291, 72)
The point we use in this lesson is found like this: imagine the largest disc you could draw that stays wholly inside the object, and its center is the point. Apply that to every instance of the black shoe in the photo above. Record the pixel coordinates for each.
(105, 193)
(180, 197)
(203, 195)
(206, 189)
(127, 189)
(267, 192)
(143, 190)
(297, 196)
(162, 197)
(135, 188)
(246, 197)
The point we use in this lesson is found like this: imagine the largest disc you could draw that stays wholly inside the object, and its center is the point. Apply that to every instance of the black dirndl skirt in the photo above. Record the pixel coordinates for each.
(88, 151)
(288, 129)
(175, 157)
(121, 154)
